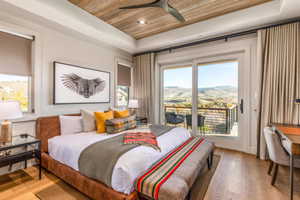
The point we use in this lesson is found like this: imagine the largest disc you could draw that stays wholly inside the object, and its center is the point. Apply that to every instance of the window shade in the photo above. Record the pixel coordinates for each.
(124, 75)
(15, 55)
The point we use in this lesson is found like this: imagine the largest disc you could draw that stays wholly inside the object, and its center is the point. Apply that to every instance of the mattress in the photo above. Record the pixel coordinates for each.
(67, 149)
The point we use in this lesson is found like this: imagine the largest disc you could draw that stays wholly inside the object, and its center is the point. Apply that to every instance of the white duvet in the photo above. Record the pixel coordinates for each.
(67, 149)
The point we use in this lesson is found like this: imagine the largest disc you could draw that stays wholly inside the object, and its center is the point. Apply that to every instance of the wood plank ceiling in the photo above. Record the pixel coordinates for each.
(157, 20)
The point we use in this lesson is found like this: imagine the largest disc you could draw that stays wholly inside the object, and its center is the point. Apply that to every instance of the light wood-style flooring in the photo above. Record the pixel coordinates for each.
(239, 176)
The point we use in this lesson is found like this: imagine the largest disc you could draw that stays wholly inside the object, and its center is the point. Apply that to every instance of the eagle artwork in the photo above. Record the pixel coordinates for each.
(82, 86)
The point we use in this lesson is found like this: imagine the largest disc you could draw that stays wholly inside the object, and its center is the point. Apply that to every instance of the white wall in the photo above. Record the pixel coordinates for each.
(64, 46)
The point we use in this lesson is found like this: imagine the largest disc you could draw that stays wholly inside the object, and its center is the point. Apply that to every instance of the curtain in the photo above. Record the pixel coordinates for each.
(279, 49)
(144, 84)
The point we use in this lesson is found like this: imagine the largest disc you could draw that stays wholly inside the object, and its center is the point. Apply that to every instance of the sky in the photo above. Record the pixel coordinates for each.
(209, 75)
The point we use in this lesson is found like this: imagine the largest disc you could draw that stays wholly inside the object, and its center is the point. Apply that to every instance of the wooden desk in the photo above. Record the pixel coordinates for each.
(290, 139)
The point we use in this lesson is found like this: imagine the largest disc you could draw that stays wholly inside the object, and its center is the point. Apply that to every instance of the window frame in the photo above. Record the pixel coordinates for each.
(128, 64)
(29, 91)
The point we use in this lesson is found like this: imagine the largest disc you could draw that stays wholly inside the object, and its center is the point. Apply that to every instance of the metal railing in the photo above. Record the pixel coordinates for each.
(216, 120)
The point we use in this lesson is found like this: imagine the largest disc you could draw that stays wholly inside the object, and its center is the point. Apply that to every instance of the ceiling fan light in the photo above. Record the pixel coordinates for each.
(141, 22)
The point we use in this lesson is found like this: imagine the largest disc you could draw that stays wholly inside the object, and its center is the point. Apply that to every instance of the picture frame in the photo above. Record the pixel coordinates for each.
(75, 84)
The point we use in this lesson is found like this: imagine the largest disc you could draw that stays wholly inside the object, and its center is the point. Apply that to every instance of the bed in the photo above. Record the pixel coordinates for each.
(60, 156)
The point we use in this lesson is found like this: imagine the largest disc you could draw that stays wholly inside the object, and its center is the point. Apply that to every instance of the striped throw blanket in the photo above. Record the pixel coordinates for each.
(142, 138)
(149, 184)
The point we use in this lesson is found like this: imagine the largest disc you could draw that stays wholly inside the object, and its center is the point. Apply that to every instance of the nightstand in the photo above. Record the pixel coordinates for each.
(142, 120)
(20, 149)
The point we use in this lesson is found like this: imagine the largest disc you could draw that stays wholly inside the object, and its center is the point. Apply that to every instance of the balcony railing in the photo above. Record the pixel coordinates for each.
(215, 120)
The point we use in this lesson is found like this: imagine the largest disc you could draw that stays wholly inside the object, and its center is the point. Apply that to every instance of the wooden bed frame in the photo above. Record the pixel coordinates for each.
(48, 127)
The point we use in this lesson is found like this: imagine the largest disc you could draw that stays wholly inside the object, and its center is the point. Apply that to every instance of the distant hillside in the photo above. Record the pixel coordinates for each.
(224, 93)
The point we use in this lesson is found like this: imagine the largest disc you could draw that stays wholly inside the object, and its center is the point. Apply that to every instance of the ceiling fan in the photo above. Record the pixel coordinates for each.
(164, 4)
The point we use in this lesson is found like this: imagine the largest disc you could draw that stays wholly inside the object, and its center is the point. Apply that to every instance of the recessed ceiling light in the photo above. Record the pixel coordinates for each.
(141, 21)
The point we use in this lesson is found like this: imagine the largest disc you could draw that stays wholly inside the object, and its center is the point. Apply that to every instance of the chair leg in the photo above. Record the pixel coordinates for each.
(275, 174)
(208, 163)
(270, 167)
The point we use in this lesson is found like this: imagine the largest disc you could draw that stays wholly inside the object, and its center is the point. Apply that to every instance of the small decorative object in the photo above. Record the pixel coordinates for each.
(75, 85)
(133, 104)
(8, 110)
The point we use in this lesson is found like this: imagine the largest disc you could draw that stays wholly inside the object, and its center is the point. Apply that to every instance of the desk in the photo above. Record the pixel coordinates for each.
(290, 139)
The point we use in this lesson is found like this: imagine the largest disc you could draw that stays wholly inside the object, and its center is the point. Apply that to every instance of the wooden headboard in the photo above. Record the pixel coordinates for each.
(46, 128)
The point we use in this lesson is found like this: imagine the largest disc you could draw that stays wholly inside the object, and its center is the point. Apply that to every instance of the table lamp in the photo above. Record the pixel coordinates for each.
(133, 104)
(8, 110)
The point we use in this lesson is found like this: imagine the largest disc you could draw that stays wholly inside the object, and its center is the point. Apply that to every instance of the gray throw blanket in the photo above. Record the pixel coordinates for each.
(97, 161)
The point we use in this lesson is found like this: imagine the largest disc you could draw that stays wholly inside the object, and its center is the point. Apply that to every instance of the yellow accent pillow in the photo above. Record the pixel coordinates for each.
(121, 114)
(101, 117)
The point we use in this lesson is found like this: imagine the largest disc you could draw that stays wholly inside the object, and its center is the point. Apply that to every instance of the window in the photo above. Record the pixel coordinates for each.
(122, 95)
(123, 85)
(16, 88)
(15, 69)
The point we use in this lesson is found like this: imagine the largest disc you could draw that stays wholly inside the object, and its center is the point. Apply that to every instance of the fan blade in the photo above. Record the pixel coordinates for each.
(148, 5)
(175, 13)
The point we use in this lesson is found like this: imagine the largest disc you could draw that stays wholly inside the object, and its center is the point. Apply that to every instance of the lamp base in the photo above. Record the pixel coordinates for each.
(6, 132)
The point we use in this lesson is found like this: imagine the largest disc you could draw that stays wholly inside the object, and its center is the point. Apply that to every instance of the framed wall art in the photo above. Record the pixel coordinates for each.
(79, 85)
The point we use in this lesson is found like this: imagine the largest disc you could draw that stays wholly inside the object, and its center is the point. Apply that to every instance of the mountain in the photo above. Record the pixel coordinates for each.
(226, 94)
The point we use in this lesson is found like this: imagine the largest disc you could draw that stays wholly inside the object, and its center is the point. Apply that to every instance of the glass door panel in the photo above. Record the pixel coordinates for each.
(218, 98)
(177, 96)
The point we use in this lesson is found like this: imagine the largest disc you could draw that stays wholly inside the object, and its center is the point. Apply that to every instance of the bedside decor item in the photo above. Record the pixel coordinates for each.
(8, 110)
(78, 85)
(133, 105)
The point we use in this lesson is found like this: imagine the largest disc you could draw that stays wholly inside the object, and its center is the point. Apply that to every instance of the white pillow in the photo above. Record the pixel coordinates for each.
(88, 120)
(70, 124)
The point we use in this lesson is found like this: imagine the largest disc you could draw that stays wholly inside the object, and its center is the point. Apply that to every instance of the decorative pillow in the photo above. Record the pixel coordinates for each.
(142, 138)
(70, 124)
(121, 114)
(117, 125)
(101, 117)
(88, 120)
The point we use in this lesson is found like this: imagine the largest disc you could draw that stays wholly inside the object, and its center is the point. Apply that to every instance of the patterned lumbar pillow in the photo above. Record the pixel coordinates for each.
(117, 125)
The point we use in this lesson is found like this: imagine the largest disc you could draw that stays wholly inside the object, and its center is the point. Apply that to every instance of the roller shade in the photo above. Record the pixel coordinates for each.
(15, 55)
(124, 75)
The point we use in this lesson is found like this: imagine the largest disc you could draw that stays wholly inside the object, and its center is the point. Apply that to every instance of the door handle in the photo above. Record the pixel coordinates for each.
(242, 106)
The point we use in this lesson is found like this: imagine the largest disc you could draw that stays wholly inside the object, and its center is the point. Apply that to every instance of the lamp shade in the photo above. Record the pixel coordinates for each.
(133, 103)
(10, 110)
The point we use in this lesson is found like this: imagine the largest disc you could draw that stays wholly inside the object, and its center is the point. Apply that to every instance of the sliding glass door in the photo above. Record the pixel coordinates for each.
(177, 96)
(218, 98)
(208, 98)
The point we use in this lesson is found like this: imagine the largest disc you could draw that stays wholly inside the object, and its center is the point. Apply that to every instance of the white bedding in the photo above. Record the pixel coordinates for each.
(67, 149)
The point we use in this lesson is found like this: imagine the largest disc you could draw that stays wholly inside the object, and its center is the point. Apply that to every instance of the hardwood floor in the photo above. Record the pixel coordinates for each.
(239, 176)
